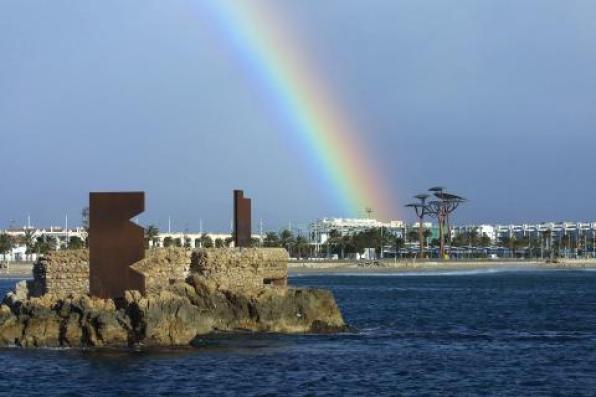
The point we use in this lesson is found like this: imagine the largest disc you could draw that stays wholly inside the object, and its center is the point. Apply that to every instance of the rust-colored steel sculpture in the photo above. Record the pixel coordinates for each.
(242, 220)
(115, 243)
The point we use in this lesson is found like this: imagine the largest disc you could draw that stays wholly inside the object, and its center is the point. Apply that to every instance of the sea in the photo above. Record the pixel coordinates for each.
(485, 333)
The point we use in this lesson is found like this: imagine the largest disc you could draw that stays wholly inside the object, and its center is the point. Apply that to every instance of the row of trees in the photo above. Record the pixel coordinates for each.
(548, 245)
(36, 245)
(152, 231)
(343, 246)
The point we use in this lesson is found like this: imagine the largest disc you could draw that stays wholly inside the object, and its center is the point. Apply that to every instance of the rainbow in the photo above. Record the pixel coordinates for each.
(279, 65)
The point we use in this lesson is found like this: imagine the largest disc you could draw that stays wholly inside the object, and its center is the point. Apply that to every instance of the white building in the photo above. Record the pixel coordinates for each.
(322, 229)
(578, 231)
(193, 239)
(489, 231)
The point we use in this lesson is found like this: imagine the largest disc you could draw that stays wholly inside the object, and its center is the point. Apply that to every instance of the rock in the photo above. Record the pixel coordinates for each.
(11, 328)
(72, 332)
(41, 331)
(172, 317)
(21, 290)
(111, 329)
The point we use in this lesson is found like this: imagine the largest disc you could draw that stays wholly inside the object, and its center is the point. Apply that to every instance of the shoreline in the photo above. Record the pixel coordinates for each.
(428, 266)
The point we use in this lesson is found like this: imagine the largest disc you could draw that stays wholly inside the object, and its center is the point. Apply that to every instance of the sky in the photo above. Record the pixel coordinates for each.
(491, 98)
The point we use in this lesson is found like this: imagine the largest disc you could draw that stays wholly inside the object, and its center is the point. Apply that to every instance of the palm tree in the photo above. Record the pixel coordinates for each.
(398, 244)
(507, 242)
(151, 233)
(472, 237)
(287, 239)
(206, 241)
(301, 246)
(27, 240)
(271, 240)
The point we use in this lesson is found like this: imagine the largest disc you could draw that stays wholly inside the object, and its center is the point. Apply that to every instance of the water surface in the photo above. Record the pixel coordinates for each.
(484, 333)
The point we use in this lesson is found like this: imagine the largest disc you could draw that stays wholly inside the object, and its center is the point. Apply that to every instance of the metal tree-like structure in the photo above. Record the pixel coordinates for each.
(440, 208)
(421, 212)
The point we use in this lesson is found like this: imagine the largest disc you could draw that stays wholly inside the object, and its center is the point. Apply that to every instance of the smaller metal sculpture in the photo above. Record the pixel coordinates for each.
(115, 243)
(242, 220)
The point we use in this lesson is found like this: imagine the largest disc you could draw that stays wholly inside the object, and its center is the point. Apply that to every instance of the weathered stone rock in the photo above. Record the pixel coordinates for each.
(10, 328)
(41, 330)
(171, 317)
(111, 329)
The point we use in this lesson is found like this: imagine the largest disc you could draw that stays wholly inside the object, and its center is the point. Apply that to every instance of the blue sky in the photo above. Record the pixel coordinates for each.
(493, 99)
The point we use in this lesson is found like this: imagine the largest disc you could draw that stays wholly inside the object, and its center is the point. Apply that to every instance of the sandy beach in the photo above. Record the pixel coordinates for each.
(430, 266)
(17, 270)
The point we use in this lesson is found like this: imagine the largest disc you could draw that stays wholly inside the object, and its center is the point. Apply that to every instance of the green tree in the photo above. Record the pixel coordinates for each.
(44, 244)
(485, 241)
(6, 244)
(271, 240)
(472, 238)
(459, 240)
(75, 243)
(301, 247)
(413, 236)
(151, 233)
(28, 241)
(168, 242)
(206, 241)
(508, 242)
(397, 244)
(219, 243)
(287, 239)
(228, 241)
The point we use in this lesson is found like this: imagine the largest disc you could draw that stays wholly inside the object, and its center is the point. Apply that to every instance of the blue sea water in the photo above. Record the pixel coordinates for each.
(514, 333)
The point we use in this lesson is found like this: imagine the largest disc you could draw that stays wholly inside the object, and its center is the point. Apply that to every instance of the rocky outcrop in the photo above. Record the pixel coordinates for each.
(173, 316)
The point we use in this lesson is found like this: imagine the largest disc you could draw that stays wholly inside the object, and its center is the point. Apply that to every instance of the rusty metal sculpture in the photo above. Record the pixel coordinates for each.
(242, 220)
(115, 243)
